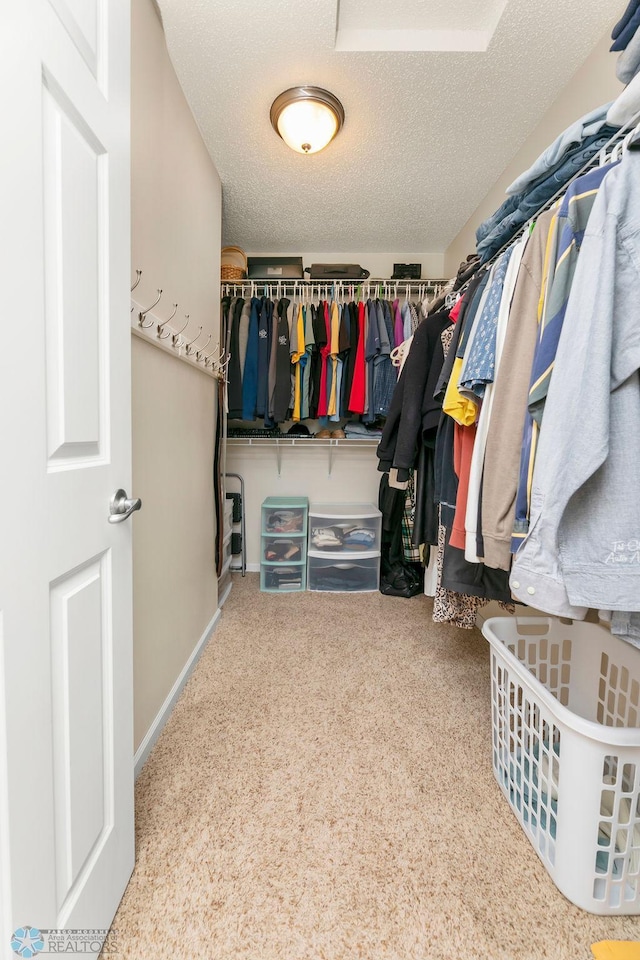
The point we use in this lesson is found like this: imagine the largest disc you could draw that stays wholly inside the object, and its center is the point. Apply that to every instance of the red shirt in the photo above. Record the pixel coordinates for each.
(463, 441)
(358, 385)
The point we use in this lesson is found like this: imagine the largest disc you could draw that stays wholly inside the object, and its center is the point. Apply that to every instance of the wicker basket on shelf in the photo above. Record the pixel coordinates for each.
(233, 264)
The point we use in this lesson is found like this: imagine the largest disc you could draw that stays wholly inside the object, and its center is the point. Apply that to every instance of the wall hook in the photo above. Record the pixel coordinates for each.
(187, 345)
(138, 278)
(208, 360)
(165, 322)
(222, 353)
(200, 352)
(222, 367)
(175, 340)
(143, 313)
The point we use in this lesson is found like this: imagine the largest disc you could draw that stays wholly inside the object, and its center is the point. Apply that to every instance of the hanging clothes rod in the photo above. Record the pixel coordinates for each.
(341, 287)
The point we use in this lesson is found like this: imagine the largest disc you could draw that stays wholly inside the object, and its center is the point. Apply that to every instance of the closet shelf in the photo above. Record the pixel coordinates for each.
(299, 441)
(277, 443)
(259, 282)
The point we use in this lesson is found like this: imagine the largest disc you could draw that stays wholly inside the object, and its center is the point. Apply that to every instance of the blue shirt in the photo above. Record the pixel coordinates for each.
(250, 373)
(479, 366)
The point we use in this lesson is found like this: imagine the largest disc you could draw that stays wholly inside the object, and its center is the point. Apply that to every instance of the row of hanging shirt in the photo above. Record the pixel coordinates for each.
(307, 357)
(537, 449)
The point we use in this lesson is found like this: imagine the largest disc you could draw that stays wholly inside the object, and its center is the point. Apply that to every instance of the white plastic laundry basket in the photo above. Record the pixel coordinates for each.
(566, 752)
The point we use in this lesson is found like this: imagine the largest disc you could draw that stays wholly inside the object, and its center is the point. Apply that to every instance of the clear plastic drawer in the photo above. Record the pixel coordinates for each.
(284, 520)
(284, 549)
(282, 577)
(345, 528)
(343, 574)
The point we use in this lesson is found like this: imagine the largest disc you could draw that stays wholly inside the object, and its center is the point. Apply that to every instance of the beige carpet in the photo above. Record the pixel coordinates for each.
(323, 791)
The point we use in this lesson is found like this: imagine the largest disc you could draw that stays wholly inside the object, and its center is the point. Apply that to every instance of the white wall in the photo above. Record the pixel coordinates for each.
(176, 220)
(593, 83)
(304, 473)
(379, 265)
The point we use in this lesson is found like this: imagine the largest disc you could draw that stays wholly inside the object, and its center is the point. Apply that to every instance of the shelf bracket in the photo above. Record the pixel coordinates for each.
(279, 458)
(332, 443)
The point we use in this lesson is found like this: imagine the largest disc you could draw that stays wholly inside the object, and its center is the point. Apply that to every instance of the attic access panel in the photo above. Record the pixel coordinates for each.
(444, 25)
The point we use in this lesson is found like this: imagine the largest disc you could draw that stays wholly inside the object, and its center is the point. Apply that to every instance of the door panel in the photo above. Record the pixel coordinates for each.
(66, 742)
(74, 166)
(81, 653)
(82, 20)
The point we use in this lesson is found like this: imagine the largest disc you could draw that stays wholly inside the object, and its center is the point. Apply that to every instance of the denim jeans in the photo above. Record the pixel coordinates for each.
(625, 35)
(541, 192)
(556, 153)
(487, 227)
(623, 22)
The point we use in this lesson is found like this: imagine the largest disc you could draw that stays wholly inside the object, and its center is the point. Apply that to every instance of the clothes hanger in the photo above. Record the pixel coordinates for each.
(397, 353)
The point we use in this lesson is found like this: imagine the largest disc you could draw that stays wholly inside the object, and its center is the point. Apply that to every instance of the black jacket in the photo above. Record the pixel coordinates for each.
(402, 431)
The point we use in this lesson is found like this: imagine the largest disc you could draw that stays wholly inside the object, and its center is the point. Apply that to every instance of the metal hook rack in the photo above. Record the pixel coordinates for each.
(162, 334)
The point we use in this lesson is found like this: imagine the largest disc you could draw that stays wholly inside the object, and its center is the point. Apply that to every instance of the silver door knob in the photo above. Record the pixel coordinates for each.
(120, 507)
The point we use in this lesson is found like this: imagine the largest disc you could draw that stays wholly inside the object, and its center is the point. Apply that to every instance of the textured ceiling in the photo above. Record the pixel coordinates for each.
(426, 133)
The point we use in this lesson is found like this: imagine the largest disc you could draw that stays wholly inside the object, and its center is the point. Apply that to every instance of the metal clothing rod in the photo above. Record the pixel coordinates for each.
(331, 288)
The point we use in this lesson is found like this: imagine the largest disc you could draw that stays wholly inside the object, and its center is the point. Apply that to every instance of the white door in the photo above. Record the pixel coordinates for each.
(66, 751)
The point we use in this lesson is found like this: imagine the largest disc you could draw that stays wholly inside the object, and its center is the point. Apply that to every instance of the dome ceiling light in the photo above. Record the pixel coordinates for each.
(307, 118)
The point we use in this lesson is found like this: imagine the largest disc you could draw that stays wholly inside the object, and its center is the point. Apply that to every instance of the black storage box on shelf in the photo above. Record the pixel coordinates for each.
(406, 271)
(336, 271)
(274, 268)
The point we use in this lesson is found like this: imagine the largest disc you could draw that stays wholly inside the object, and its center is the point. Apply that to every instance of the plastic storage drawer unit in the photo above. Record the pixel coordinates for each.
(566, 752)
(283, 566)
(344, 547)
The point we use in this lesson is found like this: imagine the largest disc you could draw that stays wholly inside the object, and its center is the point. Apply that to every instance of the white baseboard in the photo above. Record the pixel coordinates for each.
(164, 712)
(225, 594)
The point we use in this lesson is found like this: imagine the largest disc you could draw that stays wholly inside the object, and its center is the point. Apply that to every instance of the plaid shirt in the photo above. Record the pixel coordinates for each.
(411, 552)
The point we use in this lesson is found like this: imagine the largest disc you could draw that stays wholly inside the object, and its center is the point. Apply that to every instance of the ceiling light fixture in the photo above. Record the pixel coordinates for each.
(307, 118)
